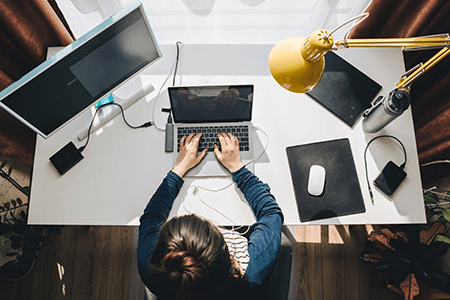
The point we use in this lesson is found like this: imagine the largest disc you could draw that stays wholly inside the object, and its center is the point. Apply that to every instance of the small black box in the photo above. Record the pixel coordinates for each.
(390, 178)
(66, 158)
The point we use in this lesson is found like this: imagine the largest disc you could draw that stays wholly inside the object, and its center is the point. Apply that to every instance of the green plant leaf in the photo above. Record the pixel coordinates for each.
(3, 175)
(13, 202)
(441, 219)
(10, 171)
(442, 238)
(2, 208)
(3, 164)
(446, 214)
(19, 201)
(23, 215)
(26, 190)
(429, 197)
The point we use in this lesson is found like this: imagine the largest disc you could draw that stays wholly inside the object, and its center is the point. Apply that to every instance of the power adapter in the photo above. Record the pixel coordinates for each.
(390, 178)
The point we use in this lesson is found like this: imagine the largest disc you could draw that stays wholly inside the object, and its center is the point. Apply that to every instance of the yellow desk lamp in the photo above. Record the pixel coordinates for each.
(297, 64)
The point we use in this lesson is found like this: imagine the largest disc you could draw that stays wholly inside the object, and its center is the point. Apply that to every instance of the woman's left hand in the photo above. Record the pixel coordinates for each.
(187, 157)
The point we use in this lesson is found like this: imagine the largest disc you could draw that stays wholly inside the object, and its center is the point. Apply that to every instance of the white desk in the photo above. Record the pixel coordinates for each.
(123, 167)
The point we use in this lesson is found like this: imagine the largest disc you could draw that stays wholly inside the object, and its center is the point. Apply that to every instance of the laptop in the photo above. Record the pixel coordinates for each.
(211, 110)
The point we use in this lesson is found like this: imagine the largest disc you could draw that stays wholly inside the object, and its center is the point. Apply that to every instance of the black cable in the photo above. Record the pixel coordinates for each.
(176, 64)
(147, 124)
(168, 110)
(402, 166)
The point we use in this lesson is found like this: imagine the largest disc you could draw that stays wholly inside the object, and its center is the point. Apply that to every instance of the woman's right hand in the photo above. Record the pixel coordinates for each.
(187, 157)
(230, 156)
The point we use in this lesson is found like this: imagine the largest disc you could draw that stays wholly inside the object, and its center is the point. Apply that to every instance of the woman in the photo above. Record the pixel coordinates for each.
(188, 257)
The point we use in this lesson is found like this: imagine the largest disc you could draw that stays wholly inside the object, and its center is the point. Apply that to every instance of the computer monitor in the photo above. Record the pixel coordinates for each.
(90, 68)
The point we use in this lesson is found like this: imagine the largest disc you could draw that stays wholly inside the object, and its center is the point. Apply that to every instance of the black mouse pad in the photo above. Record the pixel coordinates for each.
(344, 90)
(342, 193)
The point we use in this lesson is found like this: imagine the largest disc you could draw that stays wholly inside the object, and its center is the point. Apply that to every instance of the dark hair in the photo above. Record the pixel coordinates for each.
(190, 260)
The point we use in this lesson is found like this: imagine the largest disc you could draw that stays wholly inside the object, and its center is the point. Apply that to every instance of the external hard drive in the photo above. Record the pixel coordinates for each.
(66, 158)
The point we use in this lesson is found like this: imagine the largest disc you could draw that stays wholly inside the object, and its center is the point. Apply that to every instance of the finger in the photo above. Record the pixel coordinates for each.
(197, 139)
(231, 138)
(226, 137)
(234, 140)
(217, 152)
(200, 156)
(182, 141)
(189, 138)
(221, 139)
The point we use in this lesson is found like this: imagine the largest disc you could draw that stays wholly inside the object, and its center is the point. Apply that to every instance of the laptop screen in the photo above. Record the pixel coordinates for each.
(211, 104)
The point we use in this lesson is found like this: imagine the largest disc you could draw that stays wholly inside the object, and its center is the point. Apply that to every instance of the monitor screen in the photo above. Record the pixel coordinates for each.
(87, 70)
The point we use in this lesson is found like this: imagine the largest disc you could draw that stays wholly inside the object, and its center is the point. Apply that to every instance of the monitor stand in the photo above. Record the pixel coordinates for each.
(106, 113)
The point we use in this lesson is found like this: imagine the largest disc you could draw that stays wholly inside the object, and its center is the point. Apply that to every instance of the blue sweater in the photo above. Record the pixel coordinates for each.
(264, 241)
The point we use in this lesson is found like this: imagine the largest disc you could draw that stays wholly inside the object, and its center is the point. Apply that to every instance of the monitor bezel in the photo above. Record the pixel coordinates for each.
(96, 31)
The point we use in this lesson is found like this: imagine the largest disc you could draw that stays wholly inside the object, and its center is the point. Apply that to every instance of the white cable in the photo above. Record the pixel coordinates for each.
(436, 193)
(429, 205)
(246, 164)
(435, 162)
(161, 87)
(265, 148)
(362, 16)
(346, 22)
(197, 193)
(198, 187)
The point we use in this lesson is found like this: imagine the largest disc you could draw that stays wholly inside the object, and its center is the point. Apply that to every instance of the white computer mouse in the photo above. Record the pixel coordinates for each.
(316, 180)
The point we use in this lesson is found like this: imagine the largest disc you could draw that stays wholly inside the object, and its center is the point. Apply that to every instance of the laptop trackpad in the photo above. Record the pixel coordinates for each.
(210, 166)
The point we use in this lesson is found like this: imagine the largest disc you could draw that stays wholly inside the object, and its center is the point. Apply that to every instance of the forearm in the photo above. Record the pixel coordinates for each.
(155, 215)
(257, 194)
(264, 241)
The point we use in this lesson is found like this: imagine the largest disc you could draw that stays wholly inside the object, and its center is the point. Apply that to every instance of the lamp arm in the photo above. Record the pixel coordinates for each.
(406, 80)
(415, 42)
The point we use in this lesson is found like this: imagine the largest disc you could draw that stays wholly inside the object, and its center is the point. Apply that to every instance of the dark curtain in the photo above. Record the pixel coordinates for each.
(27, 29)
(429, 94)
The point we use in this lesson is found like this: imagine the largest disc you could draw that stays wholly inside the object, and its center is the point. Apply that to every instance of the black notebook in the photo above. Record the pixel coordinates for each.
(344, 90)
(342, 193)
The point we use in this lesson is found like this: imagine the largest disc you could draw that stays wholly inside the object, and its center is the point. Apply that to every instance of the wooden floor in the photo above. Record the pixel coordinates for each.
(94, 263)
(329, 267)
(82, 263)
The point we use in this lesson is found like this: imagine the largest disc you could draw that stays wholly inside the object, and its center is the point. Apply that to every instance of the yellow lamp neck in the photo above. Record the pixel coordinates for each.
(316, 45)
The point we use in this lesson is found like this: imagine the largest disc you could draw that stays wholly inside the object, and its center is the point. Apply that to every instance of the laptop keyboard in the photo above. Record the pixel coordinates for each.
(209, 136)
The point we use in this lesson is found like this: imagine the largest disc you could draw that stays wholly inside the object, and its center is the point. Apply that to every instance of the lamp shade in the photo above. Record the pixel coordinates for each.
(297, 63)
